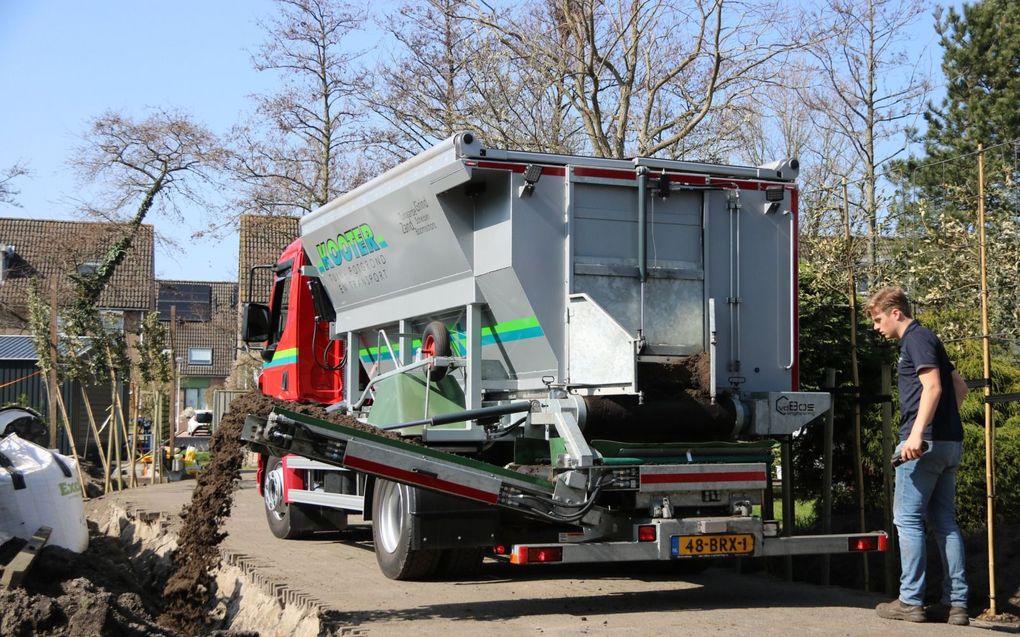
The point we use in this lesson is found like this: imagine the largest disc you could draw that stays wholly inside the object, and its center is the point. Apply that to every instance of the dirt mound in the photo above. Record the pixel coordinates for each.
(96, 592)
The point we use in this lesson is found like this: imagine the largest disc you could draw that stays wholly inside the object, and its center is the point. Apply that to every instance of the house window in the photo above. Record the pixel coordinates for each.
(194, 397)
(200, 356)
(113, 321)
(88, 268)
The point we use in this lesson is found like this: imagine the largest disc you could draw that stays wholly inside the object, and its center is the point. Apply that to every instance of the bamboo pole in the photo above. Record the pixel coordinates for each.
(51, 373)
(74, 448)
(987, 356)
(856, 375)
(133, 416)
(107, 484)
(118, 424)
(888, 473)
(95, 429)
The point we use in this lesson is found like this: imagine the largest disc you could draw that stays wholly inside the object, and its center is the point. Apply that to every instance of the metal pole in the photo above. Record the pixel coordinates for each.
(830, 384)
(987, 355)
(789, 517)
(856, 374)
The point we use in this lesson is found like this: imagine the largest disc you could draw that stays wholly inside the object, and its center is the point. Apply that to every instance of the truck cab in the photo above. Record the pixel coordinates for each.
(300, 361)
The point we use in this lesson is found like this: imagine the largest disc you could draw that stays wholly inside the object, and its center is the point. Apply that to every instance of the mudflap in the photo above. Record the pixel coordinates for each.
(444, 522)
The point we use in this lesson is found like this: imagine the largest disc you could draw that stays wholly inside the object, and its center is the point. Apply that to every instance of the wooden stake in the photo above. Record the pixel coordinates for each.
(892, 559)
(175, 398)
(95, 429)
(987, 356)
(133, 415)
(856, 375)
(51, 373)
(830, 384)
(74, 448)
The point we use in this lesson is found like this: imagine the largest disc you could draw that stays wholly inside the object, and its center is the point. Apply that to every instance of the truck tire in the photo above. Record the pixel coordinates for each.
(393, 506)
(286, 521)
(435, 341)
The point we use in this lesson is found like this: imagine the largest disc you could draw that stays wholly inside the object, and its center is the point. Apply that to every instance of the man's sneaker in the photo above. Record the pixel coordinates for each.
(896, 609)
(955, 615)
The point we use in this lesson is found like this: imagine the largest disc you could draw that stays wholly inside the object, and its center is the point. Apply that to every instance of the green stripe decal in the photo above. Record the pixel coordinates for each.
(418, 449)
(282, 357)
(516, 330)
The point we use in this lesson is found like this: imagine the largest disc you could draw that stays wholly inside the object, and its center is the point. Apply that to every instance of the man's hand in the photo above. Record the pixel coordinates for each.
(912, 447)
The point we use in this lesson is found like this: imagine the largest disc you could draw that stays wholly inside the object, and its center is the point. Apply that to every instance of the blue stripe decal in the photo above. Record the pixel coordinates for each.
(287, 360)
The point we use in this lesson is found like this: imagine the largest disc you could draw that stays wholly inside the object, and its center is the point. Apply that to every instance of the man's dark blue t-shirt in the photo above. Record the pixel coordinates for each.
(921, 349)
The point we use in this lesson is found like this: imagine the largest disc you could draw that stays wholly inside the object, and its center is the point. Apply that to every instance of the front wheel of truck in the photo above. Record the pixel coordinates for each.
(286, 521)
(393, 506)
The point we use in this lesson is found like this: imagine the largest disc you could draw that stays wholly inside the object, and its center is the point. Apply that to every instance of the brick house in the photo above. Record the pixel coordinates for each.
(206, 335)
(52, 251)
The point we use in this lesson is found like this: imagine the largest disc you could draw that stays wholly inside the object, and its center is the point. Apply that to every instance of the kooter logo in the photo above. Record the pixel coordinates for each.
(353, 244)
(789, 407)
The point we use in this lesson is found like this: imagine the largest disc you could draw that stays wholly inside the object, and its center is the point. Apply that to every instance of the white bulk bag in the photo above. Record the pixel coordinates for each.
(39, 487)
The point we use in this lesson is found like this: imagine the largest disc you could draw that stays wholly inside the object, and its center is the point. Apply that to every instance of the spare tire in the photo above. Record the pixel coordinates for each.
(435, 341)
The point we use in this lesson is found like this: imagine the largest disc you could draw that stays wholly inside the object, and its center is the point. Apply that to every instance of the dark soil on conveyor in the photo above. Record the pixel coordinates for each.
(97, 592)
(190, 590)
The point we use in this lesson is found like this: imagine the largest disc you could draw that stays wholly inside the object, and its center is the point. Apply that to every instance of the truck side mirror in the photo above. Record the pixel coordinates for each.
(255, 323)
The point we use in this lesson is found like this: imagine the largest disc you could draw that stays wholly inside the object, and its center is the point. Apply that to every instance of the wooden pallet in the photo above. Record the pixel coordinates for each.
(13, 573)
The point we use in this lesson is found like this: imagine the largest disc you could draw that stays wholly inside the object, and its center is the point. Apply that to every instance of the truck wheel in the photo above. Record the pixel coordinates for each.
(286, 521)
(435, 341)
(392, 508)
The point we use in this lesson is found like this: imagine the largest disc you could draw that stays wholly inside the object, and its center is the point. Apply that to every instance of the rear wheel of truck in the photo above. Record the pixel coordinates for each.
(393, 506)
(435, 341)
(286, 521)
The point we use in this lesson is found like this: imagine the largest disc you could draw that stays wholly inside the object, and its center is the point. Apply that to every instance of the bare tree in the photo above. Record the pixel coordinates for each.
(7, 191)
(137, 167)
(295, 156)
(449, 72)
(871, 88)
(646, 76)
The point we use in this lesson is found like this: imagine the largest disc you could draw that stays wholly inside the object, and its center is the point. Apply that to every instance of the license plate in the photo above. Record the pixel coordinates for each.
(724, 544)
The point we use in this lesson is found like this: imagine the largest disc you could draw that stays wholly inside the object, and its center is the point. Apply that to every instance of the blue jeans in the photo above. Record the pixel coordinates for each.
(926, 489)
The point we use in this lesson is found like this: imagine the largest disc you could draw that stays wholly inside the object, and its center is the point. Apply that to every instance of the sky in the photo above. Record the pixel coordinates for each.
(63, 62)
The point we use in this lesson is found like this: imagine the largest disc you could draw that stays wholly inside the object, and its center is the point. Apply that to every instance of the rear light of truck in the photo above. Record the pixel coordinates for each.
(536, 554)
(646, 533)
(864, 543)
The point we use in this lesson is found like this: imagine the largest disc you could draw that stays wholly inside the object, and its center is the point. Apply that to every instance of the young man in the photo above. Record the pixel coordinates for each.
(930, 393)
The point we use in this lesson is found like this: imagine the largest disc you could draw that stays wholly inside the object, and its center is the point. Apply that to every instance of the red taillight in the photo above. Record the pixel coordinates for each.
(646, 533)
(536, 554)
(866, 543)
(499, 549)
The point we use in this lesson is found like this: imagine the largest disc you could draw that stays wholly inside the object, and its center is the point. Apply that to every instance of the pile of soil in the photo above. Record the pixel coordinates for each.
(97, 592)
(189, 592)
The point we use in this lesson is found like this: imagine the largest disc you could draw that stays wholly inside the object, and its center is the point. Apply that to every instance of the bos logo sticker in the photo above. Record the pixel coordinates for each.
(788, 407)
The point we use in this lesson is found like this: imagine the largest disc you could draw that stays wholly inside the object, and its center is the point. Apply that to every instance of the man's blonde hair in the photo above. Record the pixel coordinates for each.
(888, 299)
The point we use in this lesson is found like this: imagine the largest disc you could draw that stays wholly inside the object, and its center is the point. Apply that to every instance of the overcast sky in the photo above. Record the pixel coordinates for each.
(65, 61)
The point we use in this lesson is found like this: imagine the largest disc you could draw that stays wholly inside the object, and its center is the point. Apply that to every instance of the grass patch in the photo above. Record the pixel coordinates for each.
(803, 512)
